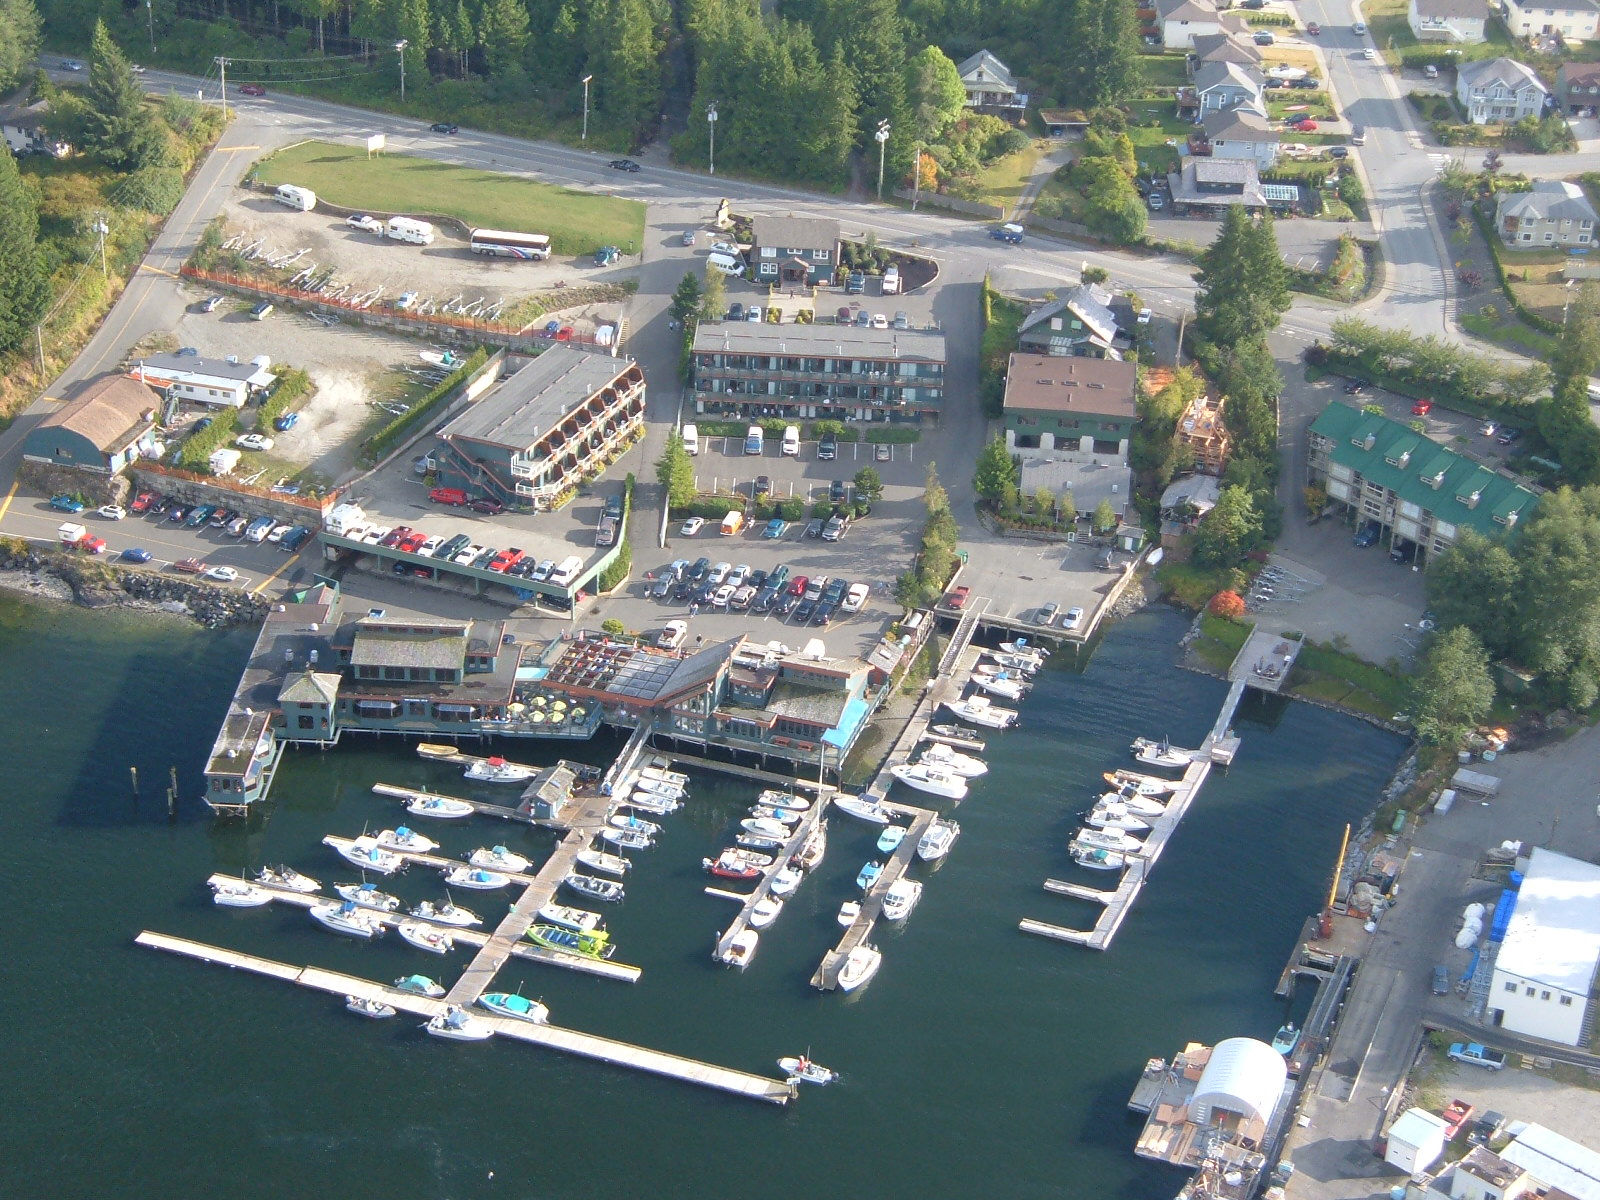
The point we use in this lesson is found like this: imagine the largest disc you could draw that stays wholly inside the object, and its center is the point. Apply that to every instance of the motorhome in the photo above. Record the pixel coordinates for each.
(406, 229)
(298, 198)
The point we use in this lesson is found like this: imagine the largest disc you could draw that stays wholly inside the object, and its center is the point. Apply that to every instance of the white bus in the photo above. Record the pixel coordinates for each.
(498, 243)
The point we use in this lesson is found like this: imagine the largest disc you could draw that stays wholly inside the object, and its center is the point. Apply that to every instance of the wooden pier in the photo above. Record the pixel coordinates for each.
(483, 809)
(780, 859)
(955, 671)
(826, 978)
(568, 1041)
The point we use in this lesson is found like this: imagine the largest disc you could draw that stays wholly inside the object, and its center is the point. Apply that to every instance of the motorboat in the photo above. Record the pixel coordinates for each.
(627, 839)
(730, 868)
(1143, 785)
(946, 758)
(288, 879)
(406, 839)
(891, 837)
(362, 1006)
(765, 911)
(784, 816)
(959, 733)
(1022, 648)
(448, 913)
(862, 808)
(900, 899)
(785, 881)
(599, 860)
(1286, 1039)
(633, 823)
(1161, 754)
(441, 807)
(744, 857)
(656, 806)
(860, 965)
(368, 896)
(761, 841)
(1013, 662)
(765, 827)
(498, 770)
(499, 858)
(677, 778)
(815, 847)
(1007, 687)
(1116, 816)
(239, 895)
(1108, 839)
(568, 917)
(426, 937)
(868, 875)
(591, 943)
(1098, 860)
(658, 787)
(848, 912)
(348, 919)
(801, 1069)
(594, 887)
(1145, 806)
(773, 798)
(937, 839)
(933, 780)
(365, 853)
(419, 985)
(520, 1008)
(739, 949)
(980, 711)
(459, 1025)
(476, 878)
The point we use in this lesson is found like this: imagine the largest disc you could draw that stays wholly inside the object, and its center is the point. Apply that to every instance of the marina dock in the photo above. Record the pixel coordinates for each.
(780, 859)
(500, 811)
(827, 975)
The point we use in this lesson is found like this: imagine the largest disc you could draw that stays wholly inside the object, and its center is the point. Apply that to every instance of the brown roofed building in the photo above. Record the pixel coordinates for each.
(107, 427)
(1079, 405)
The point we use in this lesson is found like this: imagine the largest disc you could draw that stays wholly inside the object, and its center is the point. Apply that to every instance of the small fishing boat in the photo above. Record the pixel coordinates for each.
(786, 880)
(658, 787)
(441, 807)
(426, 937)
(406, 839)
(419, 985)
(738, 857)
(765, 911)
(773, 798)
(980, 711)
(448, 913)
(287, 878)
(475, 878)
(367, 896)
(634, 823)
(365, 853)
(1013, 662)
(740, 949)
(599, 860)
(1007, 687)
(1116, 816)
(868, 875)
(784, 816)
(1145, 806)
(848, 912)
(1286, 1039)
(933, 780)
(860, 965)
(1161, 754)
(1021, 648)
(656, 806)
(594, 943)
(498, 770)
(239, 895)
(816, 846)
(935, 843)
(498, 858)
(347, 919)
(959, 733)
(765, 827)
(1098, 860)
(900, 899)
(1107, 839)
(1143, 785)
(726, 868)
(968, 766)
(803, 1070)
(627, 839)
(862, 808)
(891, 837)
(593, 886)
(678, 778)
(459, 1025)
(377, 1010)
(761, 841)
(509, 1004)
(564, 915)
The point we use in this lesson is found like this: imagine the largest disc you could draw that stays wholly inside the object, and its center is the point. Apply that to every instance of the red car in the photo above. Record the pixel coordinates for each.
(411, 543)
(505, 560)
(90, 544)
(1313, 29)
(142, 502)
(1421, 408)
(252, 89)
(798, 585)
(395, 536)
(454, 497)
(1304, 125)
(189, 566)
(957, 597)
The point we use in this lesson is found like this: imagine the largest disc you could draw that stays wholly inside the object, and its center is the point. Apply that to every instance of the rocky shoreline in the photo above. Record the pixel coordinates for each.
(42, 575)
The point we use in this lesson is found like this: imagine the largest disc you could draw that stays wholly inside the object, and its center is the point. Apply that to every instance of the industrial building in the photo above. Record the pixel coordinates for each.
(1544, 975)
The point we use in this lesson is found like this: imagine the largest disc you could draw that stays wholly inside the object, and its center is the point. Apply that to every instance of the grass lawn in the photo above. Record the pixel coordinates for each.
(1536, 281)
(1391, 34)
(1508, 332)
(577, 222)
(1163, 70)
(1287, 105)
(1292, 56)
(1156, 132)
(1326, 674)
(1001, 182)
(1058, 200)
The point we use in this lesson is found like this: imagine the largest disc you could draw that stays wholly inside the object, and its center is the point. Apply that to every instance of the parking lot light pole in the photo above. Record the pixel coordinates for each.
(711, 120)
(400, 49)
(584, 136)
(882, 138)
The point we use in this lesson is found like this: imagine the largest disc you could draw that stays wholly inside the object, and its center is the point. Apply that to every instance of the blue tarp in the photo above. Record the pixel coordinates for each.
(1502, 915)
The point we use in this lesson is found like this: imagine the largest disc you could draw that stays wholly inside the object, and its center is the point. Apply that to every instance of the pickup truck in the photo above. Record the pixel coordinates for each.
(956, 597)
(1456, 1114)
(1477, 1055)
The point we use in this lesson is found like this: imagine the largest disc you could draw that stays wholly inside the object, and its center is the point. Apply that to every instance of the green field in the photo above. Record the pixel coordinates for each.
(576, 222)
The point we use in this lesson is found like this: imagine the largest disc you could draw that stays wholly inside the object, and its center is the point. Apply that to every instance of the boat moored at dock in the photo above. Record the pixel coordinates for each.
(860, 965)
(498, 770)
(1096, 859)
(440, 807)
(239, 895)
(426, 937)
(1107, 839)
(365, 853)
(367, 896)
(802, 1070)
(765, 827)
(935, 843)
(980, 711)
(476, 878)
(599, 860)
(890, 838)
(594, 943)
(448, 913)
(458, 1025)
(498, 858)
(863, 808)
(765, 911)
(287, 878)
(564, 915)
(968, 766)
(520, 1008)
(1143, 785)
(934, 780)
(740, 950)
(348, 919)
(364, 1006)
(900, 899)
(1161, 753)
(1116, 816)
(627, 839)
(594, 887)
(419, 985)
(405, 839)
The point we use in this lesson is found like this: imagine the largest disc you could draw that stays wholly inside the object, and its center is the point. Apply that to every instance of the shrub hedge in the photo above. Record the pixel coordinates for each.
(398, 429)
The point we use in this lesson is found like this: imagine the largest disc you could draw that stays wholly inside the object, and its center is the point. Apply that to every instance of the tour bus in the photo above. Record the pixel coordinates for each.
(405, 229)
(302, 199)
(499, 243)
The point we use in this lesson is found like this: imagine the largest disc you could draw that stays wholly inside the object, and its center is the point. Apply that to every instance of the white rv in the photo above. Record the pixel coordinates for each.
(405, 229)
(298, 198)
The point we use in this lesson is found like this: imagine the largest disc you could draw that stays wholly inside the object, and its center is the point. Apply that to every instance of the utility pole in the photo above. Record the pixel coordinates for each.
(882, 138)
(101, 228)
(222, 65)
(916, 177)
(711, 120)
(400, 48)
(151, 15)
(584, 137)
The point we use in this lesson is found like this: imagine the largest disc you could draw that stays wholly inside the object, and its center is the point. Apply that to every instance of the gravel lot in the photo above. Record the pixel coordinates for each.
(1571, 1111)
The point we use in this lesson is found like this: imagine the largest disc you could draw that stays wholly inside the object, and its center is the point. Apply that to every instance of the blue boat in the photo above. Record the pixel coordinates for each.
(869, 876)
(509, 1004)
(890, 839)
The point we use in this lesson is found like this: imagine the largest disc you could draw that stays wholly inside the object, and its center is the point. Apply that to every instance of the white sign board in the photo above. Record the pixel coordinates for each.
(374, 143)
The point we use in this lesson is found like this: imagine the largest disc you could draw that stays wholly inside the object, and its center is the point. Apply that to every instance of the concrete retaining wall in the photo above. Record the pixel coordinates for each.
(954, 203)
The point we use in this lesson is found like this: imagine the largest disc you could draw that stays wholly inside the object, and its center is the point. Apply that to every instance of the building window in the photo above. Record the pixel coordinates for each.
(1544, 995)
(820, 255)
(1566, 1000)
(307, 723)
(1528, 991)
(1511, 987)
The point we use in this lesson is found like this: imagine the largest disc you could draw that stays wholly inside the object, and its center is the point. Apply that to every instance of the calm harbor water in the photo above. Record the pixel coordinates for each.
(980, 1061)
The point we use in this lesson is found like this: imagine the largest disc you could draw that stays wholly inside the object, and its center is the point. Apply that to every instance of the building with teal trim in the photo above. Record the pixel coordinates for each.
(1421, 493)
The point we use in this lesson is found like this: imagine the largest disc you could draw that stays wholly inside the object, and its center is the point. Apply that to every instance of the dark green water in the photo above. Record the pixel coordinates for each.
(979, 1062)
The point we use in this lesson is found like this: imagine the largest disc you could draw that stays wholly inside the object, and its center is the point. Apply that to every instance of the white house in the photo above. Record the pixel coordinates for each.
(1552, 213)
(1459, 21)
(989, 83)
(1574, 20)
(220, 382)
(1498, 91)
(1241, 132)
(1182, 21)
(1545, 971)
(22, 126)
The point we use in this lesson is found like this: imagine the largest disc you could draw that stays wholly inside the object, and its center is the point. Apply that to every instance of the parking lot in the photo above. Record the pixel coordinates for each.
(1017, 578)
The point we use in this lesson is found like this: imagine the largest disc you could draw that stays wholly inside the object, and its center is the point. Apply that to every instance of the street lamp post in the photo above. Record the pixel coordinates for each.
(400, 49)
(711, 120)
(882, 138)
(584, 136)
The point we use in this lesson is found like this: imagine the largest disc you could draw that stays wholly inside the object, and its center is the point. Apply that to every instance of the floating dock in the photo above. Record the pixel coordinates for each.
(500, 811)
(780, 859)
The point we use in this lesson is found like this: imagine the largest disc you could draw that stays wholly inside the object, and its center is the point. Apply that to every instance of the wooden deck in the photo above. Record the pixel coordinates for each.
(826, 977)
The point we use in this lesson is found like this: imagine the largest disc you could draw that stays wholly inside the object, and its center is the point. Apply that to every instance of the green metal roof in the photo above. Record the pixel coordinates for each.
(1422, 472)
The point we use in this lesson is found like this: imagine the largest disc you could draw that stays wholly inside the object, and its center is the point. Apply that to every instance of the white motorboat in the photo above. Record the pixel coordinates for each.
(891, 837)
(677, 778)
(658, 787)
(405, 839)
(656, 806)
(816, 846)
(426, 937)
(765, 827)
(1098, 860)
(740, 949)
(287, 878)
(935, 843)
(365, 853)
(593, 886)
(441, 807)
(1022, 648)
(631, 822)
(860, 965)
(448, 913)
(761, 841)
(1014, 662)
(346, 918)
(459, 1025)
(239, 895)
(773, 798)
(785, 881)
(1161, 754)
(933, 780)
(765, 911)
(564, 915)
(599, 860)
(363, 1007)
(1006, 687)
(498, 770)
(868, 875)
(368, 896)
(862, 808)
(520, 1008)
(627, 839)
(980, 711)
(498, 858)
(419, 985)
(848, 912)
(475, 878)
(802, 1070)
(1107, 839)
(946, 758)
(784, 816)
(1143, 785)
(1116, 816)
(1145, 806)
(900, 899)
(959, 733)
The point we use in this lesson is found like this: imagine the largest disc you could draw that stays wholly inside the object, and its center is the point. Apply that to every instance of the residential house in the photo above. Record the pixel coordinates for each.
(23, 126)
(1578, 87)
(217, 382)
(1208, 183)
(557, 421)
(1457, 21)
(1573, 20)
(1202, 429)
(1417, 490)
(1078, 323)
(990, 85)
(1078, 407)
(1241, 132)
(1223, 47)
(1544, 974)
(844, 372)
(1224, 85)
(1552, 213)
(794, 251)
(108, 426)
(1499, 91)
(1484, 1175)
(1181, 21)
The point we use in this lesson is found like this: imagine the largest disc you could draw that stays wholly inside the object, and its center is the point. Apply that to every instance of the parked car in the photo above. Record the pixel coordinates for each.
(1441, 981)
(1304, 125)
(775, 529)
(727, 248)
(1488, 429)
(863, 319)
(364, 222)
(71, 64)
(623, 164)
(1047, 614)
(823, 615)
(672, 635)
(761, 487)
(1421, 408)
(1072, 618)
(1370, 54)
(689, 236)
(956, 597)
(258, 529)
(803, 611)
(253, 441)
(902, 319)
(700, 569)
(444, 127)
(221, 574)
(1009, 233)
(286, 422)
(135, 554)
(1338, 151)
(1354, 387)
(1430, 71)
(786, 604)
(881, 452)
(798, 585)
(855, 598)
(738, 575)
(252, 89)
(736, 311)
(1308, 82)
(661, 589)
(719, 573)
(112, 512)
(855, 283)
(836, 492)
(142, 502)
(199, 515)
(487, 505)
(754, 314)
(210, 304)
(692, 526)
(879, 321)
(1509, 437)
(828, 446)
(452, 497)
(841, 315)
(67, 504)
(838, 525)
(189, 566)
(1144, 317)
(1367, 535)
(1264, 38)
(606, 255)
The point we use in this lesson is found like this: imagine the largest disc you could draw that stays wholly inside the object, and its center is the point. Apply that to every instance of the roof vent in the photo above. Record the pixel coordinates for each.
(1472, 500)
(1436, 480)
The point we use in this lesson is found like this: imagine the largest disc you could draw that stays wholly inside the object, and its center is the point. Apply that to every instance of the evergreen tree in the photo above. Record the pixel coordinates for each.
(1475, 583)
(995, 475)
(935, 92)
(1453, 690)
(24, 282)
(1229, 531)
(1244, 288)
(118, 128)
(686, 299)
(19, 20)
(714, 296)
(675, 472)
(503, 33)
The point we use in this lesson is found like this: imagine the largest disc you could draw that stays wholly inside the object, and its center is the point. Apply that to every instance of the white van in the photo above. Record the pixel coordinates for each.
(791, 439)
(726, 263)
(754, 440)
(891, 281)
(566, 571)
(298, 198)
(691, 439)
(405, 229)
